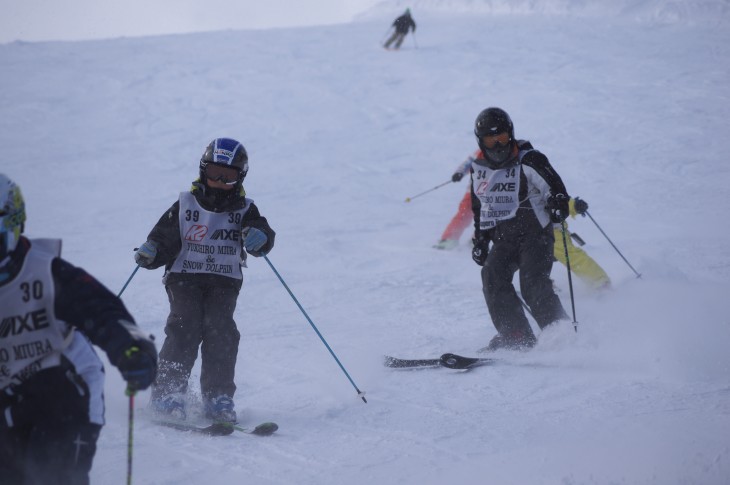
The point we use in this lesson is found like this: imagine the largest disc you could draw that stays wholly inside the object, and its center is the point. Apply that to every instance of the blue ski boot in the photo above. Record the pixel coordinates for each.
(172, 405)
(220, 409)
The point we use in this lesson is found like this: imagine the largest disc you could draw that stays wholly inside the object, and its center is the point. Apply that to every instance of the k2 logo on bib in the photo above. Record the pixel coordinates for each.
(196, 233)
(482, 189)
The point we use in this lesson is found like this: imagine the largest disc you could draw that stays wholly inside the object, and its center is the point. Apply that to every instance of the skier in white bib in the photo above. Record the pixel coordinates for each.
(581, 264)
(516, 197)
(51, 380)
(202, 241)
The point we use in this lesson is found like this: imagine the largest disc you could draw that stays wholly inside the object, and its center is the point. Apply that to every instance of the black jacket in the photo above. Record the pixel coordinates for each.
(403, 23)
(525, 221)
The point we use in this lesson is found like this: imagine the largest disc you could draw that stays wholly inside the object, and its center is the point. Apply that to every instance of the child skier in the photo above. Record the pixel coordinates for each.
(201, 241)
(51, 380)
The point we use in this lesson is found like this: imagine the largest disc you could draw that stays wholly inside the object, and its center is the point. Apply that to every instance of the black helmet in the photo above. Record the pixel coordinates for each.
(226, 152)
(493, 121)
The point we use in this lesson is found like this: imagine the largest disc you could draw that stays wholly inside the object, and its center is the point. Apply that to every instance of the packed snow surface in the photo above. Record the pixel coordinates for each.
(632, 109)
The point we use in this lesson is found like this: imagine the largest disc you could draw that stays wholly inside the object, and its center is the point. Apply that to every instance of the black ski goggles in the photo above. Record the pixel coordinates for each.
(491, 141)
(224, 175)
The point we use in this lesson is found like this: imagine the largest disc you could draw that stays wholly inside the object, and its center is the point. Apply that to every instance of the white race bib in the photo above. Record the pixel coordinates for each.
(211, 241)
(498, 191)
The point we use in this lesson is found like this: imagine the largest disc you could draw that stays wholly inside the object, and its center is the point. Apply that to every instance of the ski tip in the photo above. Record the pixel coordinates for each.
(218, 429)
(397, 363)
(453, 361)
(265, 429)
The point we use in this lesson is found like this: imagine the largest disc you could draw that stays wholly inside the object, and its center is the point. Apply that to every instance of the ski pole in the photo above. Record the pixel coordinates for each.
(130, 421)
(527, 308)
(360, 394)
(408, 199)
(612, 244)
(570, 278)
(128, 280)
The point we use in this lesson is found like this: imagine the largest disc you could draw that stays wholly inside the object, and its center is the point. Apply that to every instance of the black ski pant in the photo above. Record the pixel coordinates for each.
(51, 441)
(532, 255)
(200, 316)
(397, 37)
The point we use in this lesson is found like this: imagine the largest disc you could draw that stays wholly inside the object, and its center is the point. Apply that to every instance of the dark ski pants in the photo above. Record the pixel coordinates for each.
(51, 441)
(532, 255)
(397, 37)
(200, 316)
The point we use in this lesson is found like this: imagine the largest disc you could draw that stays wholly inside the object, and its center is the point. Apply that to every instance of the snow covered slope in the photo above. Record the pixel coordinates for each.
(103, 135)
(694, 12)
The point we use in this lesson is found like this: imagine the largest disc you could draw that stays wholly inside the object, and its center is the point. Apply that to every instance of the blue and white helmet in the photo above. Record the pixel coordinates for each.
(12, 216)
(225, 152)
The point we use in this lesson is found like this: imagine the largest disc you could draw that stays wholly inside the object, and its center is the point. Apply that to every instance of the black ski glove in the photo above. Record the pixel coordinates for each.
(558, 207)
(457, 176)
(138, 364)
(581, 206)
(480, 251)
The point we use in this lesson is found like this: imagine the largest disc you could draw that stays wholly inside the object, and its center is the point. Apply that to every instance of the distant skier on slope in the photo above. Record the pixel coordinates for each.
(585, 267)
(516, 196)
(51, 380)
(202, 241)
(402, 25)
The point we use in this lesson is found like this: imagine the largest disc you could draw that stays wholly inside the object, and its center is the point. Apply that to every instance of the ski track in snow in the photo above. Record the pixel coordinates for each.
(102, 135)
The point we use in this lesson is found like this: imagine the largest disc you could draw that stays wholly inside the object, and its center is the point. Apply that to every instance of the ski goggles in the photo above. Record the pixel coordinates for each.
(11, 220)
(10, 227)
(491, 141)
(224, 175)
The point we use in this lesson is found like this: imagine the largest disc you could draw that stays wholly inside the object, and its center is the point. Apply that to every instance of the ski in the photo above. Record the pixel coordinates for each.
(220, 428)
(450, 361)
(264, 429)
(215, 429)
(410, 363)
(453, 361)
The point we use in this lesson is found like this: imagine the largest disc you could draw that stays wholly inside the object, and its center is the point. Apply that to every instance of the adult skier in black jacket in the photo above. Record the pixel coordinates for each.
(516, 197)
(402, 25)
(51, 380)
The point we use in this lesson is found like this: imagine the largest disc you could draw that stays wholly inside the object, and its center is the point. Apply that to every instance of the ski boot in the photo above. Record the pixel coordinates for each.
(220, 409)
(172, 405)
